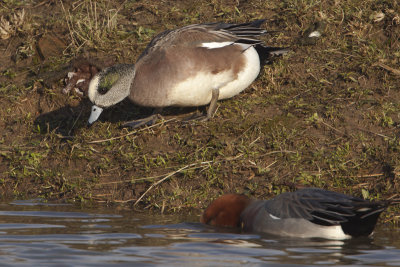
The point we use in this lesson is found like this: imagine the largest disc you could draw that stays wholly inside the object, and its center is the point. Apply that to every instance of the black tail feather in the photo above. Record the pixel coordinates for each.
(364, 221)
(267, 53)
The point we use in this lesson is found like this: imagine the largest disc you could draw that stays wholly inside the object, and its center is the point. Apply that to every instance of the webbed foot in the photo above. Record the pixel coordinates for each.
(198, 116)
(148, 121)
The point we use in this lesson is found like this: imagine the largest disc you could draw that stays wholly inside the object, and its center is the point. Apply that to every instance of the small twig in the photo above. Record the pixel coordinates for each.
(73, 125)
(245, 131)
(124, 201)
(139, 179)
(162, 180)
(367, 175)
(40, 4)
(102, 195)
(378, 134)
(199, 164)
(253, 142)
(279, 151)
(392, 198)
(302, 92)
(130, 180)
(271, 164)
(331, 127)
(131, 133)
(159, 176)
(386, 67)
(371, 175)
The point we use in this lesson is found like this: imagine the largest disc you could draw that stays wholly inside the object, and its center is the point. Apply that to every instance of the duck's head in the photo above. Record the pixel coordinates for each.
(109, 87)
(225, 210)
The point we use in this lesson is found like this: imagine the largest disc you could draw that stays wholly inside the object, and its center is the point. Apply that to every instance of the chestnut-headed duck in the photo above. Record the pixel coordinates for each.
(190, 66)
(306, 213)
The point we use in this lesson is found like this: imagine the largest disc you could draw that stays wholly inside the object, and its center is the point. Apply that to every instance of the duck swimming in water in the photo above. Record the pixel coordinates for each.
(307, 213)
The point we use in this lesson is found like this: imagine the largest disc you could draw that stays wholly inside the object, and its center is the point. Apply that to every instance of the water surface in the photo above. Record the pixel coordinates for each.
(39, 234)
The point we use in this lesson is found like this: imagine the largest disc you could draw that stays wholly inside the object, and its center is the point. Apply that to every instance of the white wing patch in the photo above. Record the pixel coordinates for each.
(274, 217)
(212, 45)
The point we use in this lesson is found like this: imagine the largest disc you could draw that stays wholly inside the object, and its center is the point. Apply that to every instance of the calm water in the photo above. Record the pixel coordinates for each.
(37, 234)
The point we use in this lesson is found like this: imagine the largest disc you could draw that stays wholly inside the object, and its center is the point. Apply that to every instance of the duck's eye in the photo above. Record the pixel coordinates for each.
(102, 89)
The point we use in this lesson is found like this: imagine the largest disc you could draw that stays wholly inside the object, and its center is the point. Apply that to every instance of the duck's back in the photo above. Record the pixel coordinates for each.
(181, 67)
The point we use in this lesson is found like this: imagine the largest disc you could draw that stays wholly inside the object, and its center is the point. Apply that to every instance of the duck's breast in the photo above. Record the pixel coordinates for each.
(245, 76)
(186, 76)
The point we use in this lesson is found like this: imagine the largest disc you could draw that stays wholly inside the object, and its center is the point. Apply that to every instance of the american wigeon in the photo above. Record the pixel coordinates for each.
(190, 66)
(306, 213)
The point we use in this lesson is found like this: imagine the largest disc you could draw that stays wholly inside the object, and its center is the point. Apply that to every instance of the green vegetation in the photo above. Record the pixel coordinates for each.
(325, 115)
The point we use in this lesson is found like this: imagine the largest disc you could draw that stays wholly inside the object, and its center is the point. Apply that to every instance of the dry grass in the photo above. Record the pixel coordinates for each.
(91, 23)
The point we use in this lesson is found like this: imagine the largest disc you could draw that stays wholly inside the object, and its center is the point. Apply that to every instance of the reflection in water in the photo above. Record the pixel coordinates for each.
(35, 233)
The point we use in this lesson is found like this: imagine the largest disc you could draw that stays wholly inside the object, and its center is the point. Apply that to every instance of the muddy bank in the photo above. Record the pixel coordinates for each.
(325, 115)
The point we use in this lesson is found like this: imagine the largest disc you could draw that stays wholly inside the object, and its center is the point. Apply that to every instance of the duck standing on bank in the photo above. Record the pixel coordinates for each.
(306, 213)
(190, 66)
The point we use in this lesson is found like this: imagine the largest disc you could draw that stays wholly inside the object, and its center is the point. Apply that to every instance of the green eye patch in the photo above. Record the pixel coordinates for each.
(107, 81)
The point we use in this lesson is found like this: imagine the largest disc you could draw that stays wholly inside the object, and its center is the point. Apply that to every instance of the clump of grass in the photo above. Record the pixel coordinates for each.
(91, 23)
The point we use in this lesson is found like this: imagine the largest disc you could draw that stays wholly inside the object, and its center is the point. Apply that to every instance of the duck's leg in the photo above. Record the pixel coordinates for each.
(213, 104)
(148, 121)
(210, 111)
